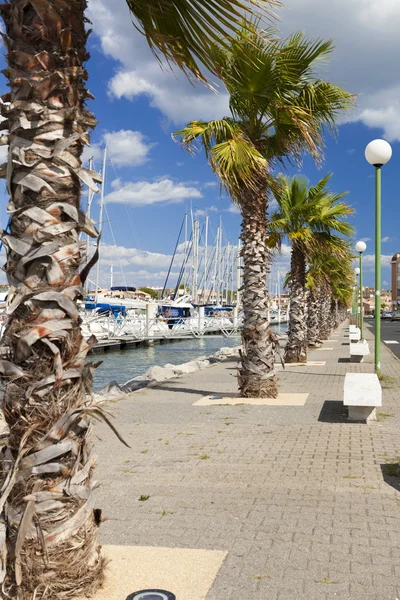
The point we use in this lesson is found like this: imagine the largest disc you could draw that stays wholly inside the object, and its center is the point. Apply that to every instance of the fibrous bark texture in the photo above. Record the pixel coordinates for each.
(296, 347)
(313, 318)
(48, 526)
(325, 321)
(256, 378)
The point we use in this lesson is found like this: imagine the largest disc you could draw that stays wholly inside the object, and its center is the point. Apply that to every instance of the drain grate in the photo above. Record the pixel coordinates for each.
(151, 595)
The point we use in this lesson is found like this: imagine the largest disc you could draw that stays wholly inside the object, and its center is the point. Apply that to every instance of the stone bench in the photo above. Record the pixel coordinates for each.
(362, 395)
(358, 350)
(355, 335)
(352, 328)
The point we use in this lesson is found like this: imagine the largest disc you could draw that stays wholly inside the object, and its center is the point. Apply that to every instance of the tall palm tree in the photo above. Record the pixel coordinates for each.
(327, 271)
(279, 109)
(48, 543)
(310, 218)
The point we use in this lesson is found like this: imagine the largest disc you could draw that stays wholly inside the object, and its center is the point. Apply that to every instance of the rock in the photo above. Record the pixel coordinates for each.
(133, 386)
(111, 390)
(159, 374)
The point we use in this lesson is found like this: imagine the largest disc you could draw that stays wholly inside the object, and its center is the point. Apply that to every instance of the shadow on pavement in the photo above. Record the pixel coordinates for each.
(389, 475)
(344, 360)
(333, 411)
(183, 390)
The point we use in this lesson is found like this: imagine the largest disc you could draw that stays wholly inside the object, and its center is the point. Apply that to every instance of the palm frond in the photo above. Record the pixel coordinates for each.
(185, 31)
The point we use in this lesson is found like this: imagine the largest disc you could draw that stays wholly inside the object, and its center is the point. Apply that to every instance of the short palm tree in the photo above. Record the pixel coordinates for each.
(48, 542)
(279, 109)
(310, 218)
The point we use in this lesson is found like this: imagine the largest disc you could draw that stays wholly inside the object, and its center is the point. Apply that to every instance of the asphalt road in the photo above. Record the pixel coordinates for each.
(390, 332)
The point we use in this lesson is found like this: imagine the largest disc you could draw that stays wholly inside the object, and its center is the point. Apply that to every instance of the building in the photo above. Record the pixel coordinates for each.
(369, 300)
(395, 262)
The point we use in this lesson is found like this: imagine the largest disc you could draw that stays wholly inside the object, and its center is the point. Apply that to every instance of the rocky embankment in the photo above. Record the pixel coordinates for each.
(158, 374)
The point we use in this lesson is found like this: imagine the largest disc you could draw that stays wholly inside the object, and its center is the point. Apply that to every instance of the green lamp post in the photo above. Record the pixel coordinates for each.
(378, 153)
(360, 248)
(354, 307)
(356, 274)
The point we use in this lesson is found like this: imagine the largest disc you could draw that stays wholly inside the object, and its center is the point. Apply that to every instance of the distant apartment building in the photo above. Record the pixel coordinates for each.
(369, 300)
(395, 262)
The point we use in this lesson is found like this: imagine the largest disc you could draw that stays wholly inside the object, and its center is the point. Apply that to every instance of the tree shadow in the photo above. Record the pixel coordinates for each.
(389, 475)
(333, 411)
(184, 390)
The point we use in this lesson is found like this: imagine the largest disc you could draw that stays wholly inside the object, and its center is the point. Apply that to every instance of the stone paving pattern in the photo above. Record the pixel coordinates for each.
(297, 496)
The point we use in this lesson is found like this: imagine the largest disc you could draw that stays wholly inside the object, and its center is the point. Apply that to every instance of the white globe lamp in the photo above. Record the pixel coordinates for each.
(378, 153)
(361, 246)
(356, 271)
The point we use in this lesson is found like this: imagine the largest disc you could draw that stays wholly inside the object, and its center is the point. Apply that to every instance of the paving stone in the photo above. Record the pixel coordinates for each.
(295, 495)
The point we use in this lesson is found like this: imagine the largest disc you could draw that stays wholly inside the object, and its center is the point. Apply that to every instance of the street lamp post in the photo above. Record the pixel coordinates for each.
(354, 308)
(378, 153)
(360, 248)
(356, 274)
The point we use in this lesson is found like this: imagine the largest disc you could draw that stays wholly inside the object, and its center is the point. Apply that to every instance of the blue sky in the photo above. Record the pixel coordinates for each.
(151, 180)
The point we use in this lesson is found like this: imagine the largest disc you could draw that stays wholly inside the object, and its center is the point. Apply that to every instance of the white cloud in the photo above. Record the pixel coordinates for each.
(369, 260)
(385, 239)
(365, 33)
(210, 184)
(143, 193)
(122, 256)
(233, 209)
(140, 74)
(365, 239)
(180, 164)
(125, 148)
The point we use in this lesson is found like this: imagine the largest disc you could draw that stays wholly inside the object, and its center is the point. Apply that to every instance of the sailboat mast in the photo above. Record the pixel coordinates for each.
(232, 272)
(215, 275)
(205, 259)
(195, 261)
(220, 262)
(103, 183)
(185, 253)
(238, 275)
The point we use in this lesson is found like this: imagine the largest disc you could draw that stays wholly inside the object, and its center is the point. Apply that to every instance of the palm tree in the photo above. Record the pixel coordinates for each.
(279, 109)
(48, 527)
(326, 271)
(307, 217)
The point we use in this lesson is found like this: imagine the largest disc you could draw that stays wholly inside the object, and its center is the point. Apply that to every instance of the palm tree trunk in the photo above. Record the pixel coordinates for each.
(51, 550)
(336, 314)
(325, 327)
(313, 319)
(256, 376)
(296, 347)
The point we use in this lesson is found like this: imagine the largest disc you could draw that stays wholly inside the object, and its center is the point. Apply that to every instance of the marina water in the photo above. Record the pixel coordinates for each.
(123, 365)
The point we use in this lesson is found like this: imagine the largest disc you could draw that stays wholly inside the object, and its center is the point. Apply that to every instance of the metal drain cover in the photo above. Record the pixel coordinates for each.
(151, 595)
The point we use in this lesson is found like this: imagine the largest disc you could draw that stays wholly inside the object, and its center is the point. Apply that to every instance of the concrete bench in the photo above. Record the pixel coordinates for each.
(352, 328)
(355, 335)
(358, 350)
(362, 394)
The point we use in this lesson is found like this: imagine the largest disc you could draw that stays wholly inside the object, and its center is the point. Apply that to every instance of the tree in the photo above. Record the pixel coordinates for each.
(48, 542)
(328, 272)
(279, 109)
(308, 217)
(149, 291)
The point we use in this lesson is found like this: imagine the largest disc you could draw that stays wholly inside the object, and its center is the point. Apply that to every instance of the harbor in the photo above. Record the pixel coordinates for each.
(122, 364)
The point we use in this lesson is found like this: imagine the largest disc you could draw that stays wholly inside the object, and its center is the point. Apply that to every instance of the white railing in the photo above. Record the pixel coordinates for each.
(127, 327)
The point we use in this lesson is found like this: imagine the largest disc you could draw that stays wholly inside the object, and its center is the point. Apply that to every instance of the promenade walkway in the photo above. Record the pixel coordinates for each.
(302, 501)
